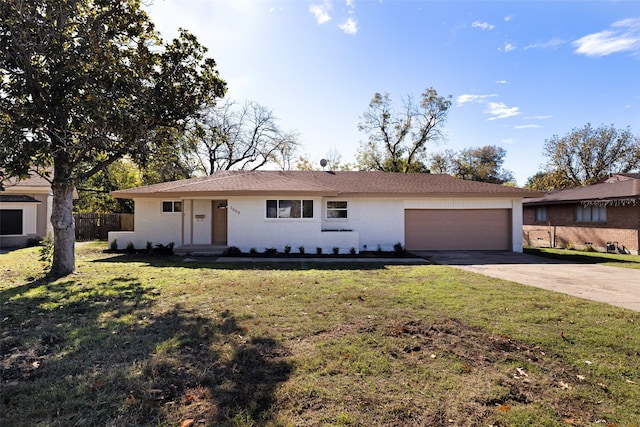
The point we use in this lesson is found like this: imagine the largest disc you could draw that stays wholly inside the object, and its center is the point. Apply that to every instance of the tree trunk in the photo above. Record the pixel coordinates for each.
(64, 229)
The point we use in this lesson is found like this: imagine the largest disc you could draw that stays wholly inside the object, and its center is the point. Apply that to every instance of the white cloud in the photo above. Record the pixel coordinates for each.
(321, 12)
(470, 98)
(538, 117)
(550, 44)
(502, 82)
(351, 4)
(507, 141)
(508, 47)
(527, 126)
(498, 110)
(624, 36)
(349, 27)
(508, 18)
(482, 25)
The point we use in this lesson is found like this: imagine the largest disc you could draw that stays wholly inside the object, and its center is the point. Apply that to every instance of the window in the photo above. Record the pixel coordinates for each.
(11, 222)
(289, 208)
(172, 206)
(541, 214)
(337, 209)
(591, 214)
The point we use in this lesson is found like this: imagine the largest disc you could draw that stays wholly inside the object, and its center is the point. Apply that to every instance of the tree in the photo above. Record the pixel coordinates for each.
(84, 83)
(587, 155)
(545, 181)
(482, 164)
(398, 141)
(229, 136)
(94, 193)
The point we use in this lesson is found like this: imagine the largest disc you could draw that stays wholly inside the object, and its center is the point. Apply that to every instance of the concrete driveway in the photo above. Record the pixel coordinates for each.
(613, 285)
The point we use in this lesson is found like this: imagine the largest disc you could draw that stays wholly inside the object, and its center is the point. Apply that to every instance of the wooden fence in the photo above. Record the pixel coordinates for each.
(95, 226)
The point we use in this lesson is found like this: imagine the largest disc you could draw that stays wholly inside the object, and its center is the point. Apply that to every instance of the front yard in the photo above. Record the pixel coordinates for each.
(137, 340)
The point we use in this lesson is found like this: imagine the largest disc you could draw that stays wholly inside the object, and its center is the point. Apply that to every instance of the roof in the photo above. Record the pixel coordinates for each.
(17, 198)
(34, 180)
(619, 188)
(321, 183)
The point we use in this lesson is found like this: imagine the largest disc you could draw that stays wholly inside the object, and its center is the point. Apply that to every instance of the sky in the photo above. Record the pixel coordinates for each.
(518, 72)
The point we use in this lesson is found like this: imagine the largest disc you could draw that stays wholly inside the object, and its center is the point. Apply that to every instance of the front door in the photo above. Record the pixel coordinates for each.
(219, 222)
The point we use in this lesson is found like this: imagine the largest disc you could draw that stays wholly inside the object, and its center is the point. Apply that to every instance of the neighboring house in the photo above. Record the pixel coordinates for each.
(317, 209)
(604, 216)
(25, 209)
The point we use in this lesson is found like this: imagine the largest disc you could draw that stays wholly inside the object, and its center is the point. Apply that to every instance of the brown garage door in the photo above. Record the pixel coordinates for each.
(457, 229)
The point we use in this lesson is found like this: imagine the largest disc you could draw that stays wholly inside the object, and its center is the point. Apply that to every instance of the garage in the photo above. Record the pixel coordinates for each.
(457, 229)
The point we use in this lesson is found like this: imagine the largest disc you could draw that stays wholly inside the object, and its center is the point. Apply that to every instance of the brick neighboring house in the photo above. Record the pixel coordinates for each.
(605, 216)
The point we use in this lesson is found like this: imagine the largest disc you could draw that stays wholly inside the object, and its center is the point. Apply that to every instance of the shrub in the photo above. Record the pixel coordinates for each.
(164, 249)
(232, 251)
(399, 249)
(149, 247)
(253, 251)
(352, 251)
(301, 249)
(319, 250)
(335, 250)
(130, 248)
(113, 245)
(270, 251)
(570, 246)
(287, 249)
(379, 249)
(46, 252)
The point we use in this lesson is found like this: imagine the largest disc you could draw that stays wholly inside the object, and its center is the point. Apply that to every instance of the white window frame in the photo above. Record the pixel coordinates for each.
(344, 209)
(174, 204)
(281, 209)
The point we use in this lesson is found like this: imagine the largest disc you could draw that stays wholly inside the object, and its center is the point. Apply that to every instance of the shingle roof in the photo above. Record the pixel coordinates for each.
(34, 180)
(343, 183)
(627, 188)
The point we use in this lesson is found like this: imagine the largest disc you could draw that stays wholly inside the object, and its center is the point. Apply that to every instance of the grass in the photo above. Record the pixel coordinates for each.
(134, 340)
(612, 259)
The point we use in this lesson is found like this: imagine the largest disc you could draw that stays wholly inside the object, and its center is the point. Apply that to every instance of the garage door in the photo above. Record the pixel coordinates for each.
(457, 229)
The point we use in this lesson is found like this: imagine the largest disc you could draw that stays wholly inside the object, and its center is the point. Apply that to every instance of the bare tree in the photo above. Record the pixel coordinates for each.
(589, 154)
(397, 142)
(247, 137)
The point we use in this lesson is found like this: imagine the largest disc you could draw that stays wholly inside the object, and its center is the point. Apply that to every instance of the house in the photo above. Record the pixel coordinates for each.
(604, 216)
(318, 209)
(25, 209)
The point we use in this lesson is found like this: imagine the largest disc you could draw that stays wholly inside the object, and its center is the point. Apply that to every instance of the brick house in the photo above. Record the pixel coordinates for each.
(605, 216)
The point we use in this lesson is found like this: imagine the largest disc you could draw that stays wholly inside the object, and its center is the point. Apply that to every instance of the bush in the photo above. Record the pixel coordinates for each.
(46, 252)
(253, 251)
(335, 250)
(232, 251)
(301, 249)
(399, 249)
(352, 251)
(319, 250)
(164, 249)
(287, 249)
(130, 248)
(113, 245)
(379, 249)
(149, 247)
(270, 251)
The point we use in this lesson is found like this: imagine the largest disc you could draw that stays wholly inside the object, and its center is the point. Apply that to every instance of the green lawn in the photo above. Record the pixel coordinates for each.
(133, 340)
(613, 259)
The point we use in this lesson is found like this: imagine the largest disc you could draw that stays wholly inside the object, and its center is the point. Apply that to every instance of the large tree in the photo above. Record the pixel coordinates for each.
(398, 140)
(84, 83)
(482, 164)
(247, 136)
(587, 155)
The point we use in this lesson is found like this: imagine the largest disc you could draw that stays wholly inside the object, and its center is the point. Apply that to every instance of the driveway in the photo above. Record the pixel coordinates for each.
(612, 285)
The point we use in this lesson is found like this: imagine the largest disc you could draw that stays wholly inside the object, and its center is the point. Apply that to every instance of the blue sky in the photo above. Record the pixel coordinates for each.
(519, 72)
